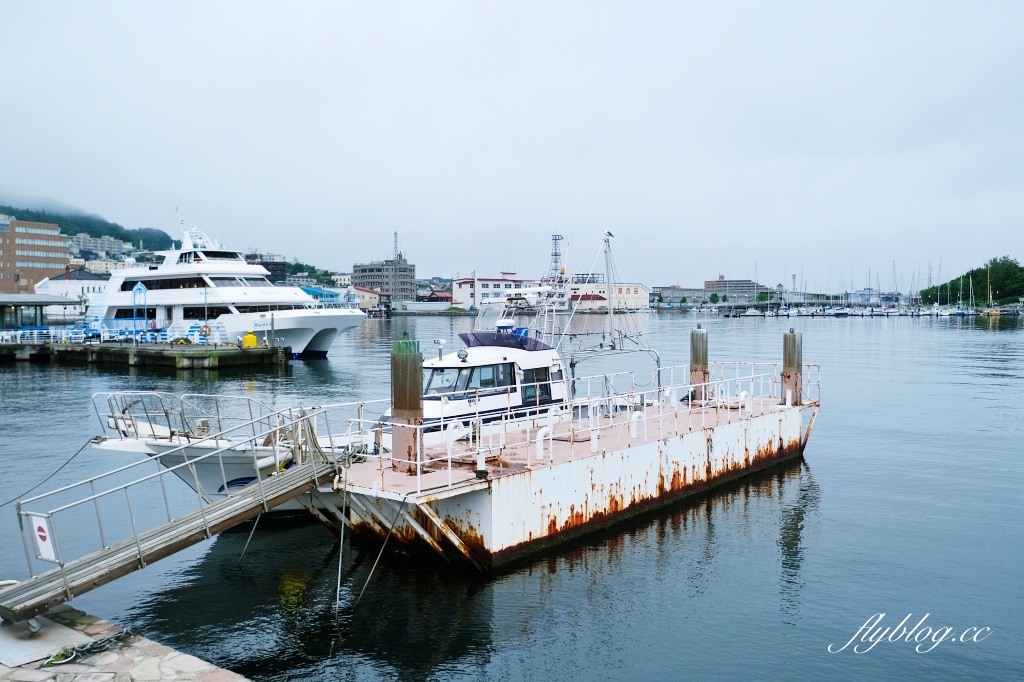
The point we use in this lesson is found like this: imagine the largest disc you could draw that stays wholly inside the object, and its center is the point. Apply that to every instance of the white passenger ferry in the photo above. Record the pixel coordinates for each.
(204, 291)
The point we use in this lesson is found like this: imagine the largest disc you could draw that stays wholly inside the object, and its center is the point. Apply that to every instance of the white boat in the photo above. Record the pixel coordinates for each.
(207, 294)
(752, 312)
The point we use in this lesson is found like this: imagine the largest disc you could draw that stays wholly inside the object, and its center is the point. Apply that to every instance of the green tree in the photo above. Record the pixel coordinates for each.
(714, 298)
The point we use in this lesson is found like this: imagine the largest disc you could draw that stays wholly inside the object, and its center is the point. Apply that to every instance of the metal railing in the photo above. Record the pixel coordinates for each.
(90, 496)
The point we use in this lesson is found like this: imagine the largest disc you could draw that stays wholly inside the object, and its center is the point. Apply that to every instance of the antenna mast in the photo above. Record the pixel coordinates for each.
(555, 268)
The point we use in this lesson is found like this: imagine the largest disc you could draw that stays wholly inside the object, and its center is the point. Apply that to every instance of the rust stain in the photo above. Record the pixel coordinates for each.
(610, 502)
(581, 521)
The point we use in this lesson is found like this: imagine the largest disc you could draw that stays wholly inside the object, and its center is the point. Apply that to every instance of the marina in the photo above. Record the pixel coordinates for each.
(822, 509)
(483, 455)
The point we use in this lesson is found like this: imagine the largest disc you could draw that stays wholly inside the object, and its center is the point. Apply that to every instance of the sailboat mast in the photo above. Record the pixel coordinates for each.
(608, 283)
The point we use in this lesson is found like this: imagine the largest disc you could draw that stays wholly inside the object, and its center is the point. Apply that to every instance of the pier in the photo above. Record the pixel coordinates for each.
(126, 354)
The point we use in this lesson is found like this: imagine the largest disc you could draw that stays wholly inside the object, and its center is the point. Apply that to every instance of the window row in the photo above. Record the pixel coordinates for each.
(40, 242)
(36, 230)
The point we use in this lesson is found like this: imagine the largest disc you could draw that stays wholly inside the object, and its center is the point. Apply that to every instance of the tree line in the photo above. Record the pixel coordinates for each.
(94, 226)
(1004, 275)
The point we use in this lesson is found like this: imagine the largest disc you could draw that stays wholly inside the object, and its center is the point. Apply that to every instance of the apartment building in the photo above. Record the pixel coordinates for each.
(29, 253)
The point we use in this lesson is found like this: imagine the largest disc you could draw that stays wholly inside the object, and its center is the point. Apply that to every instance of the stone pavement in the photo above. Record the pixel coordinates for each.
(133, 658)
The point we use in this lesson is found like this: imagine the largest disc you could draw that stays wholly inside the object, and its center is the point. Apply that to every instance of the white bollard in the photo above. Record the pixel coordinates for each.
(542, 433)
(634, 429)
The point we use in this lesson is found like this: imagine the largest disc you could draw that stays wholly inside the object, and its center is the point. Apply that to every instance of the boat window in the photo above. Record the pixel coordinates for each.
(129, 313)
(225, 282)
(222, 255)
(536, 390)
(258, 282)
(266, 308)
(166, 283)
(490, 376)
(445, 380)
(204, 312)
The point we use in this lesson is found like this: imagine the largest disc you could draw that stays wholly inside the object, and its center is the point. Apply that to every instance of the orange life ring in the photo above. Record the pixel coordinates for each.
(205, 331)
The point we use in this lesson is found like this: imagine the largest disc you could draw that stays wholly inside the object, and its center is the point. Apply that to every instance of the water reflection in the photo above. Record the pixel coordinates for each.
(273, 615)
(791, 541)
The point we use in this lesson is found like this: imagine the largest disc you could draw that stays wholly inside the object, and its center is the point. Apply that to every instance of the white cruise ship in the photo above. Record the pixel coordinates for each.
(204, 287)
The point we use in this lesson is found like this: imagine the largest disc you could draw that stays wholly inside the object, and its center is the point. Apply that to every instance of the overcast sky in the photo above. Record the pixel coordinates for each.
(817, 138)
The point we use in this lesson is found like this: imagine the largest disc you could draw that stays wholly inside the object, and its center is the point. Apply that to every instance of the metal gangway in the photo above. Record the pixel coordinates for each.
(129, 541)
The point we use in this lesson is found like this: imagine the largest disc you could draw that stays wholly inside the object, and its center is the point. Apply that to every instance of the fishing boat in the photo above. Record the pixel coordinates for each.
(205, 293)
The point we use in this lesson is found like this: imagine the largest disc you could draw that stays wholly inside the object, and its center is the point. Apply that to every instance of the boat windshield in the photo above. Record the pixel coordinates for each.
(444, 380)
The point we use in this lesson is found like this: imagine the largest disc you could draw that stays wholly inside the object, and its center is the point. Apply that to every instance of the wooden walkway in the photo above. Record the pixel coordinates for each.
(39, 594)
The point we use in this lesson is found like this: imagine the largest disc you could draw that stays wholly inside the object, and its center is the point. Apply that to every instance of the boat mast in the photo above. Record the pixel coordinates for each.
(608, 283)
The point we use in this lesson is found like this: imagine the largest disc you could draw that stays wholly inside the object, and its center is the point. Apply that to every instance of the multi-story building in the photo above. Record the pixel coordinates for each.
(103, 266)
(29, 253)
(581, 292)
(105, 244)
(744, 289)
(470, 292)
(396, 276)
(276, 265)
(342, 279)
(300, 279)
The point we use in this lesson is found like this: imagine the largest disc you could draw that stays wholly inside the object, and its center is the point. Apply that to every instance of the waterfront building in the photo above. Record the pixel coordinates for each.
(677, 295)
(470, 292)
(372, 299)
(29, 253)
(395, 275)
(342, 279)
(77, 285)
(588, 291)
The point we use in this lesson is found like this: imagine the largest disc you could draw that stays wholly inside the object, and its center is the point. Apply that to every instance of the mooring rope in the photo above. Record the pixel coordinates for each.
(390, 530)
(88, 648)
(18, 497)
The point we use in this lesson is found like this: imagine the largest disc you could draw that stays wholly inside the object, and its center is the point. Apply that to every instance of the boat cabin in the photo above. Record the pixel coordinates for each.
(498, 371)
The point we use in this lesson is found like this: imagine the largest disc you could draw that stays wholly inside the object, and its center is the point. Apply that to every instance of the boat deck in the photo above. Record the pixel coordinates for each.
(515, 448)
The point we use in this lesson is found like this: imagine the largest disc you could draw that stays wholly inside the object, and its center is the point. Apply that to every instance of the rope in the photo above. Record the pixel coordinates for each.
(341, 540)
(372, 568)
(254, 523)
(89, 648)
(17, 497)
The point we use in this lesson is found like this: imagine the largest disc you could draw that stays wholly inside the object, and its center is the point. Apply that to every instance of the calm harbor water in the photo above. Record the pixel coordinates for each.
(910, 500)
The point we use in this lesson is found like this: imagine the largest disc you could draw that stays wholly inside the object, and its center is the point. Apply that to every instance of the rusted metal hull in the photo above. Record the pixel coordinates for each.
(516, 513)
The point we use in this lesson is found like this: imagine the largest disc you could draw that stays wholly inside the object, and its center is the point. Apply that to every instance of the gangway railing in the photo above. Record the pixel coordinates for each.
(127, 511)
